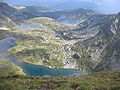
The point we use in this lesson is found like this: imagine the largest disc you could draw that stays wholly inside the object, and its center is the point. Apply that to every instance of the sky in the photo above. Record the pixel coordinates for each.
(105, 6)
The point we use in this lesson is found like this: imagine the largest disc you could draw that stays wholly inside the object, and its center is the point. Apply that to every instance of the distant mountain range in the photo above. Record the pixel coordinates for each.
(104, 6)
(56, 4)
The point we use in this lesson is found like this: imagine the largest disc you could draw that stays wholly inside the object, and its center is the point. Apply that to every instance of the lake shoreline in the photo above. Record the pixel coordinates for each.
(32, 69)
(48, 66)
(35, 64)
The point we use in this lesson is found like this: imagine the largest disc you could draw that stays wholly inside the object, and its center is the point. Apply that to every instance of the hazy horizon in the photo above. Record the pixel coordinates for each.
(104, 6)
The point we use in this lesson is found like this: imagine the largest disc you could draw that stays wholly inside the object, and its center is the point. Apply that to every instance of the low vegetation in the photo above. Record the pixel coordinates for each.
(8, 68)
(95, 81)
(40, 46)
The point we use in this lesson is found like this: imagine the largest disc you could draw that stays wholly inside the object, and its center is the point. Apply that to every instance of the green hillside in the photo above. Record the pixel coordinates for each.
(8, 68)
(96, 81)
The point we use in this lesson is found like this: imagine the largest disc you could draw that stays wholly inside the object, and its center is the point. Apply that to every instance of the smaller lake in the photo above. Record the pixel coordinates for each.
(25, 26)
(61, 17)
(69, 22)
(30, 69)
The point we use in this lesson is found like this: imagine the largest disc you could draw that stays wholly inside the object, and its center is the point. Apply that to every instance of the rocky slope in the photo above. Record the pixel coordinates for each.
(111, 55)
(6, 22)
(97, 42)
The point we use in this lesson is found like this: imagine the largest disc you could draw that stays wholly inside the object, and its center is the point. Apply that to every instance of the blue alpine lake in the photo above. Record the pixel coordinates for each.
(69, 22)
(61, 17)
(29, 69)
(25, 26)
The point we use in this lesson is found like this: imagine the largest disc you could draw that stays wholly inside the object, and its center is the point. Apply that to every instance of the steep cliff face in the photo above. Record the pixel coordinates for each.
(111, 54)
(6, 22)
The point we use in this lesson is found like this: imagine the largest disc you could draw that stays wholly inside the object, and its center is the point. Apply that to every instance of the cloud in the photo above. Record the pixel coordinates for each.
(92, 1)
(107, 6)
(110, 6)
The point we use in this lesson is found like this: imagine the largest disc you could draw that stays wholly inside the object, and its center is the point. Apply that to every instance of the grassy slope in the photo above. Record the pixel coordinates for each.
(47, 23)
(8, 68)
(39, 46)
(95, 81)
